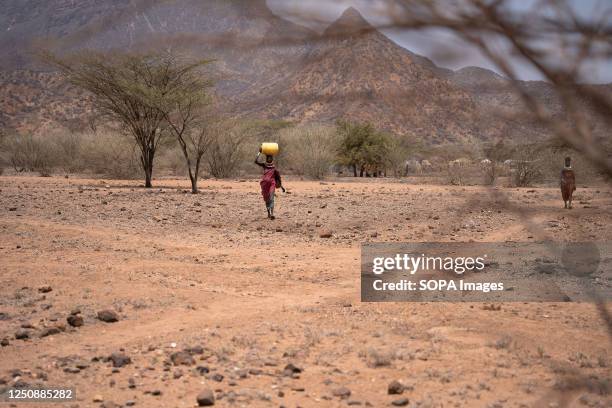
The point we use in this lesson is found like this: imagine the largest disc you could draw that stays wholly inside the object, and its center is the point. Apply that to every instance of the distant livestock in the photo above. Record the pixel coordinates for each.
(412, 167)
(461, 162)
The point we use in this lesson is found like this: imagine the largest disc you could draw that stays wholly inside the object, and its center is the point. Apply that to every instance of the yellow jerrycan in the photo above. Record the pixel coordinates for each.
(269, 149)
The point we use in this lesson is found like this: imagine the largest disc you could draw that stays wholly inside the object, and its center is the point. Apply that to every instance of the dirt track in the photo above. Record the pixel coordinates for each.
(209, 270)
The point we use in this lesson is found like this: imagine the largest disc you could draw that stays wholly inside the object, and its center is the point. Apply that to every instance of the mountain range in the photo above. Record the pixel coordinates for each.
(265, 67)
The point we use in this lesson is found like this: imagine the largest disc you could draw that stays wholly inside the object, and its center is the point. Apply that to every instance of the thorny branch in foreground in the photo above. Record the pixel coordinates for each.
(550, 37)
(571, 45)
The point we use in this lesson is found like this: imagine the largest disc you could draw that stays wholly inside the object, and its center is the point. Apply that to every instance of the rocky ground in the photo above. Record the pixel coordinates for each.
(160, 298)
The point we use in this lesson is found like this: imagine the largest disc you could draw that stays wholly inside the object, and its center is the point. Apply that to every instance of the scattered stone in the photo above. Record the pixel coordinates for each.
(217, 377)
(75, 320)
(206, 398)
(255, 371)
(242, 373)
(4, 342)
(195, 350)
(182, 358)
(98, 398)
(109, 404)
(202, 370)
(21, 384)
(325, 234)
(50, 331)
(22, 334)
(177, 374)
(402, 402)
(156, 392)
(108, 316)
(75, 311)
(342, 392)
(119, 359)
(291, 369)
(16, 373)
(547, 269)
(395, 388)
(270, 362)
(130, 403)
(131, 383)
(4, 316)
(45, 289)
(81, 364)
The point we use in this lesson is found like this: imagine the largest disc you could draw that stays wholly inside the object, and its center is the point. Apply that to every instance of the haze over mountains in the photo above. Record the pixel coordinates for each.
(266, 67)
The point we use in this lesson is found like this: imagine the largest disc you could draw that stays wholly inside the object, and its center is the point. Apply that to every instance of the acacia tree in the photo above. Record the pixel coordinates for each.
(195, 143)
(126, 89)
(181, 102)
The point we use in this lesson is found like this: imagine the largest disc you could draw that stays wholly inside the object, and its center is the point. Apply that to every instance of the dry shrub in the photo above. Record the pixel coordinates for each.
(110, 154)
(456, 163)
(105, 153)
(311, 150)
(228, 148)
(457, 175)
(527, 166)
(67, 151)
(29, 152)
(496, 153)
(172, 161)
(377, 358)
(491, 172)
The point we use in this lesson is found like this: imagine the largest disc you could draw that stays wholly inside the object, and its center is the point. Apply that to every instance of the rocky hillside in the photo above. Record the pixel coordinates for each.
(362, 75)
(241, 35)
(33, 100)
(266, 67)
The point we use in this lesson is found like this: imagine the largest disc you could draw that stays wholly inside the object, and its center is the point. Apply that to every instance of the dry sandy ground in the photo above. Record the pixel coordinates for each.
(249, 296)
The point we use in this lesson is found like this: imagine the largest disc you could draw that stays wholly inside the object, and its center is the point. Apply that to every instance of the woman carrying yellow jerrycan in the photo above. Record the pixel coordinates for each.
(271, 177)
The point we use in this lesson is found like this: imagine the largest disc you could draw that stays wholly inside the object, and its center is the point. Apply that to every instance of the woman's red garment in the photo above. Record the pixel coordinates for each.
(268, 183)
(568, 183)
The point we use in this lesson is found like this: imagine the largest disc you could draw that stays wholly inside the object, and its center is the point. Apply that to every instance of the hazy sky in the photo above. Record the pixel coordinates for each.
(442, 47)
